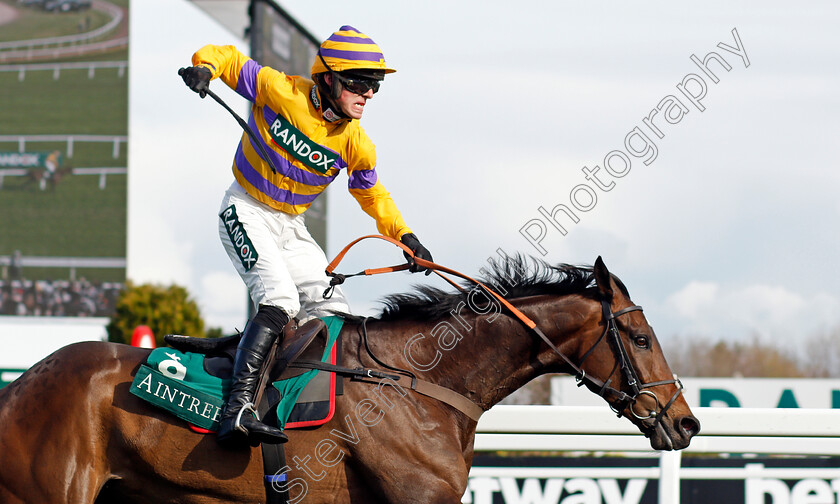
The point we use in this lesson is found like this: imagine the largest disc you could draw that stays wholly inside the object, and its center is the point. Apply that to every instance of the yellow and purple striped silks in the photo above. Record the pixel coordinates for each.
(350, 49)
(307, 151)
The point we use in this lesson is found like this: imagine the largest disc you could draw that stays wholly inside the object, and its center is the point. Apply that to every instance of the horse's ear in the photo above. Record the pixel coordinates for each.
(603, 279)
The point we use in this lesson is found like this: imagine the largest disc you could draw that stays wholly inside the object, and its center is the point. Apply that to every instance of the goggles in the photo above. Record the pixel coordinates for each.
(355, 84)
(358, 85)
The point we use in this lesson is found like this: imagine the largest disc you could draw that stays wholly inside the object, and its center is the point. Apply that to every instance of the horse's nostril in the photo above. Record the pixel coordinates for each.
(690, 426)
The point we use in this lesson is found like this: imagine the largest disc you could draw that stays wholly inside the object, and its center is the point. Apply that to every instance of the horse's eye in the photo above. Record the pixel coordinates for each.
(642, 341)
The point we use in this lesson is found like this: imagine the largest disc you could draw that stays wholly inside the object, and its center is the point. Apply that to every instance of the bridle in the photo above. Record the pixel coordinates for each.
(621, 399)
(637, 387)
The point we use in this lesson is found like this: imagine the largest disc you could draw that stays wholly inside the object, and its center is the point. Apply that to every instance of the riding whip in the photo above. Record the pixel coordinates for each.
(243, 124)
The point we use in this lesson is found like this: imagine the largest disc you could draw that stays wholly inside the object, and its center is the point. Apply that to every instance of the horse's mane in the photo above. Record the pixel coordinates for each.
(512, 277)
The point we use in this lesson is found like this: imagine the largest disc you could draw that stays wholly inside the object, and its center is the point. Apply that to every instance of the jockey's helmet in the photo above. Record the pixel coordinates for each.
(351, 53)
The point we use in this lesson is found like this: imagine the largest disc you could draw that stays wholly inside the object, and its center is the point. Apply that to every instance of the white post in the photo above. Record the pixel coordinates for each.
(669, 477)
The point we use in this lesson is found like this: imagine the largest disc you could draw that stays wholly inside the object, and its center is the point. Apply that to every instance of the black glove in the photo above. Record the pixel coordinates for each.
(196, 78)
(411, 241)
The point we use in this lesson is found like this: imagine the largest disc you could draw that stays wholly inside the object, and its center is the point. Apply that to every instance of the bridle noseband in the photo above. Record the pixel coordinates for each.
(637, 387)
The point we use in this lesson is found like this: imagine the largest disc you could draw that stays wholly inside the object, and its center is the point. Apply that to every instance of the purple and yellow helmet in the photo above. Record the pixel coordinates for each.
(350, 49)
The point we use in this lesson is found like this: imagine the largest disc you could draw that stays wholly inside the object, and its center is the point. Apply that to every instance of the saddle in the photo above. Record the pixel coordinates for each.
(306, 399)
(220, 352)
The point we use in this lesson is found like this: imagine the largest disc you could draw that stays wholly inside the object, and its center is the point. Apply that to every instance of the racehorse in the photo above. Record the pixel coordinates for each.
(43, 178)
(72, 433)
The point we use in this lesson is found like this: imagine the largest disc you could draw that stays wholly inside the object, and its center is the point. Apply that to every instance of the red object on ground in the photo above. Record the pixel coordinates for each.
(143, 337)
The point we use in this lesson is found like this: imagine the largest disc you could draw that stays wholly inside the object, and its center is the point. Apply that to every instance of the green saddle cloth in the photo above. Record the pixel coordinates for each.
(177, 382)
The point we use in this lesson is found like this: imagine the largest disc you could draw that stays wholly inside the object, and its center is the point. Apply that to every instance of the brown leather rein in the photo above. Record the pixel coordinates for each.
(467, 406)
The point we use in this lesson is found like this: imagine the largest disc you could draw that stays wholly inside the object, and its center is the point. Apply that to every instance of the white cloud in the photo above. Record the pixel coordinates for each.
(693, 299)
(739, 312)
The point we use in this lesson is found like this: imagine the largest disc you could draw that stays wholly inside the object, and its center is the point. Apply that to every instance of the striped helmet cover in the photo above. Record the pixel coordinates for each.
(350, 49)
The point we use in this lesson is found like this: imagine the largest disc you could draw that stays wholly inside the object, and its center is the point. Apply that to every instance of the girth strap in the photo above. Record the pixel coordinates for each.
(449, 397)
(274, 456)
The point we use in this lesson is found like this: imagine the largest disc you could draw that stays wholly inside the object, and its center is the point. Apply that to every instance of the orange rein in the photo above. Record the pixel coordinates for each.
(338, 278)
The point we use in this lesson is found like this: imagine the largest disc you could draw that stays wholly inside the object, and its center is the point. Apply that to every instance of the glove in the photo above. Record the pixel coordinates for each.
(197, 78)
(411, 241)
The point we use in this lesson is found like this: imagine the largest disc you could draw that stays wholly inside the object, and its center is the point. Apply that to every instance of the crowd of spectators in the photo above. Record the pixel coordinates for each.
(58, 298)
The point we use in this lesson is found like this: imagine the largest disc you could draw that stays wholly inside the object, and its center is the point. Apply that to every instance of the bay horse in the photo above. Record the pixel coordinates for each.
(71, 433)
(44, 178)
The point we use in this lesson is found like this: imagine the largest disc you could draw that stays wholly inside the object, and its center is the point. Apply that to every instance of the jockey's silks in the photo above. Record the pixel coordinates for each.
(308, 151)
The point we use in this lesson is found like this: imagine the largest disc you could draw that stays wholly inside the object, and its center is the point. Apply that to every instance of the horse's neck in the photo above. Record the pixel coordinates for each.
(496, 354)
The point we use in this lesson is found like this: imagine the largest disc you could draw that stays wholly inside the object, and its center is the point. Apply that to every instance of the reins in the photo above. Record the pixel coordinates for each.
(610, 329)
(338, 279)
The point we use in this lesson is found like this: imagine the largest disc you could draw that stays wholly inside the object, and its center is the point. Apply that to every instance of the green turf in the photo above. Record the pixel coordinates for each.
(73, 104)
(75, 219)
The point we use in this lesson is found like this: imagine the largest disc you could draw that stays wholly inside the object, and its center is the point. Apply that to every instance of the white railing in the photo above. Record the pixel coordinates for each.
(72, 263)
(70, 139)
(56, 68)
(102, 172)
(723, 430)
(65, 262)
(64, 51)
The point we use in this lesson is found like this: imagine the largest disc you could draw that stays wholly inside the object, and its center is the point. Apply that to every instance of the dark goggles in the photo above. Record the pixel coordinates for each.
(358, 85)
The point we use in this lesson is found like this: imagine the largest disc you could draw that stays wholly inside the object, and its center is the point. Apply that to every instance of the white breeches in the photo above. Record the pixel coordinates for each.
(275, 255)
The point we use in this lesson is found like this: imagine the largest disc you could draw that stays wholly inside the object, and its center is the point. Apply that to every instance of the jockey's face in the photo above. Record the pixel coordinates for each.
(352, 104)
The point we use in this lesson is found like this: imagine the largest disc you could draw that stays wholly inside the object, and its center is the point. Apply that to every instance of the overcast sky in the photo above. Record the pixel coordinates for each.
(726, 228)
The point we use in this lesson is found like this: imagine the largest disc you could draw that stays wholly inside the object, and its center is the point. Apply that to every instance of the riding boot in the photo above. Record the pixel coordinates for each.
(238, 421)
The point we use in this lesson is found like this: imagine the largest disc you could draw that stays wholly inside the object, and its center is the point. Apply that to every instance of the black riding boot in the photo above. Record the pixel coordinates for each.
(239, 422)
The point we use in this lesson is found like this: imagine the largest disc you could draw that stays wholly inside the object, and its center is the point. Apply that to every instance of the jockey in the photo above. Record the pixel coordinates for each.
(311, 131)
(51, 164)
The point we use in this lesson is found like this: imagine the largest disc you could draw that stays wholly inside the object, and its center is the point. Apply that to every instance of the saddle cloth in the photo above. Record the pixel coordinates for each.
(195, 386)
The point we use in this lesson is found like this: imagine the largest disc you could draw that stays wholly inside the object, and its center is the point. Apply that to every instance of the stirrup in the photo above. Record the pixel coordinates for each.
(237, 424)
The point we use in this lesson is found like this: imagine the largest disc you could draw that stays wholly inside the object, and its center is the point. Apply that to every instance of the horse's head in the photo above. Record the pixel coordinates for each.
(620, 359)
